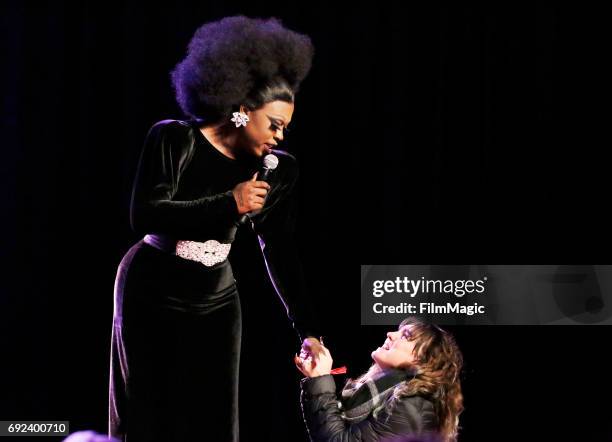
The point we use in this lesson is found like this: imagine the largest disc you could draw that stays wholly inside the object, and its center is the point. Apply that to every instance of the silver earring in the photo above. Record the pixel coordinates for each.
(240, 118)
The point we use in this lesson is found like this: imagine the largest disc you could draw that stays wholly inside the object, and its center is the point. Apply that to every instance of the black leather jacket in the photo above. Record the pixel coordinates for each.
(411, 416)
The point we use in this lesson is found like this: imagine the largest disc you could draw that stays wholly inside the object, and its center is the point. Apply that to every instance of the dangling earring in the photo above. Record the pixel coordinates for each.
(240, 118)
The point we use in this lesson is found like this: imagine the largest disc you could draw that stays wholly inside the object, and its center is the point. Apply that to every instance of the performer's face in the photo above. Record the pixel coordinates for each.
(265, 128)
(397, 351)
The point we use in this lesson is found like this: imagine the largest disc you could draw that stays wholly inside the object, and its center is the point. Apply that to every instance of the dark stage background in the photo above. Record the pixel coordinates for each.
(424, 134)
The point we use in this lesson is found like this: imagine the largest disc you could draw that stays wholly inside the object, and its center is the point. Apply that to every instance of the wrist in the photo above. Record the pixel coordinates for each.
(237, 202)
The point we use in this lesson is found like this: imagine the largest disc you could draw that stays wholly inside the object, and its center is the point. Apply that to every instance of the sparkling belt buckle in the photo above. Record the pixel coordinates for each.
(208, 253)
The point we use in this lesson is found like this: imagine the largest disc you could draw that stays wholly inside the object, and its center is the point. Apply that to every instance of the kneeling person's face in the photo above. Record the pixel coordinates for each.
(397, 351)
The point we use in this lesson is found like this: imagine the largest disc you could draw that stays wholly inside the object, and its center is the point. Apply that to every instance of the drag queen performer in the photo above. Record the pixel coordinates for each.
(177, 320)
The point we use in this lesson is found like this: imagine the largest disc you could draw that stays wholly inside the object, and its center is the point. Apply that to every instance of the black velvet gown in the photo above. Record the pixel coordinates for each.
(177, 323)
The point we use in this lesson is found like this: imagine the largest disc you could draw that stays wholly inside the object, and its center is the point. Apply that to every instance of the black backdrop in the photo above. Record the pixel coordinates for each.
(424, 133)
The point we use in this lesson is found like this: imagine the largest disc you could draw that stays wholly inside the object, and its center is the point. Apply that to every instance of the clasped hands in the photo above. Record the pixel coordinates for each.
(314, 359)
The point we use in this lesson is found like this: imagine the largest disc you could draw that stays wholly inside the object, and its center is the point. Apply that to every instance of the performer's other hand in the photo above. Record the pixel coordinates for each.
(312, 368)
(312, 346)
(250, 195)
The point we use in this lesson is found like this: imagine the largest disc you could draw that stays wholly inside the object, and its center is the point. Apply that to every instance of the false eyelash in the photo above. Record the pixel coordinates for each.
(286, 130)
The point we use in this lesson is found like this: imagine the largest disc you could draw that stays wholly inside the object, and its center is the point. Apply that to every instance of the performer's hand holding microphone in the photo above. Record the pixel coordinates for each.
(250, 195)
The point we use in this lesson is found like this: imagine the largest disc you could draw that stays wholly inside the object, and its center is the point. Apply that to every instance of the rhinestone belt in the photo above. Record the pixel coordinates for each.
(208, 253)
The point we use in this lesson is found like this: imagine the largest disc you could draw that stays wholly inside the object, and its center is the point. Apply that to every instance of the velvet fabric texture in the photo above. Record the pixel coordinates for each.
(176, 331)
(175, 349)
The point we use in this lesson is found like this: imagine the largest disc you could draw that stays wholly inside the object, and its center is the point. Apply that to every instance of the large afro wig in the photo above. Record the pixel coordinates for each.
(240, 61)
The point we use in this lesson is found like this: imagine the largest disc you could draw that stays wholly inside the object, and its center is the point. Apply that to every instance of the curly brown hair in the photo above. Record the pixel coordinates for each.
(438, 366)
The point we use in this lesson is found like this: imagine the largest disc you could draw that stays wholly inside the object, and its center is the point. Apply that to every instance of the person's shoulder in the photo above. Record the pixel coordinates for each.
(285, 158)
(418, 408)
(417, 401)
(287, 163)
(177, 132)
(170, 125)
(411, 405)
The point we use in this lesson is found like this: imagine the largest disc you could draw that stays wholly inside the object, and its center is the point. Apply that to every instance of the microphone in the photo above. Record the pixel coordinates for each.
(270, 162)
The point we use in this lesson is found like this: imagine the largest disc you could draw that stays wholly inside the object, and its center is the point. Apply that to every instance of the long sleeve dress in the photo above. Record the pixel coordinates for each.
(176, 331)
